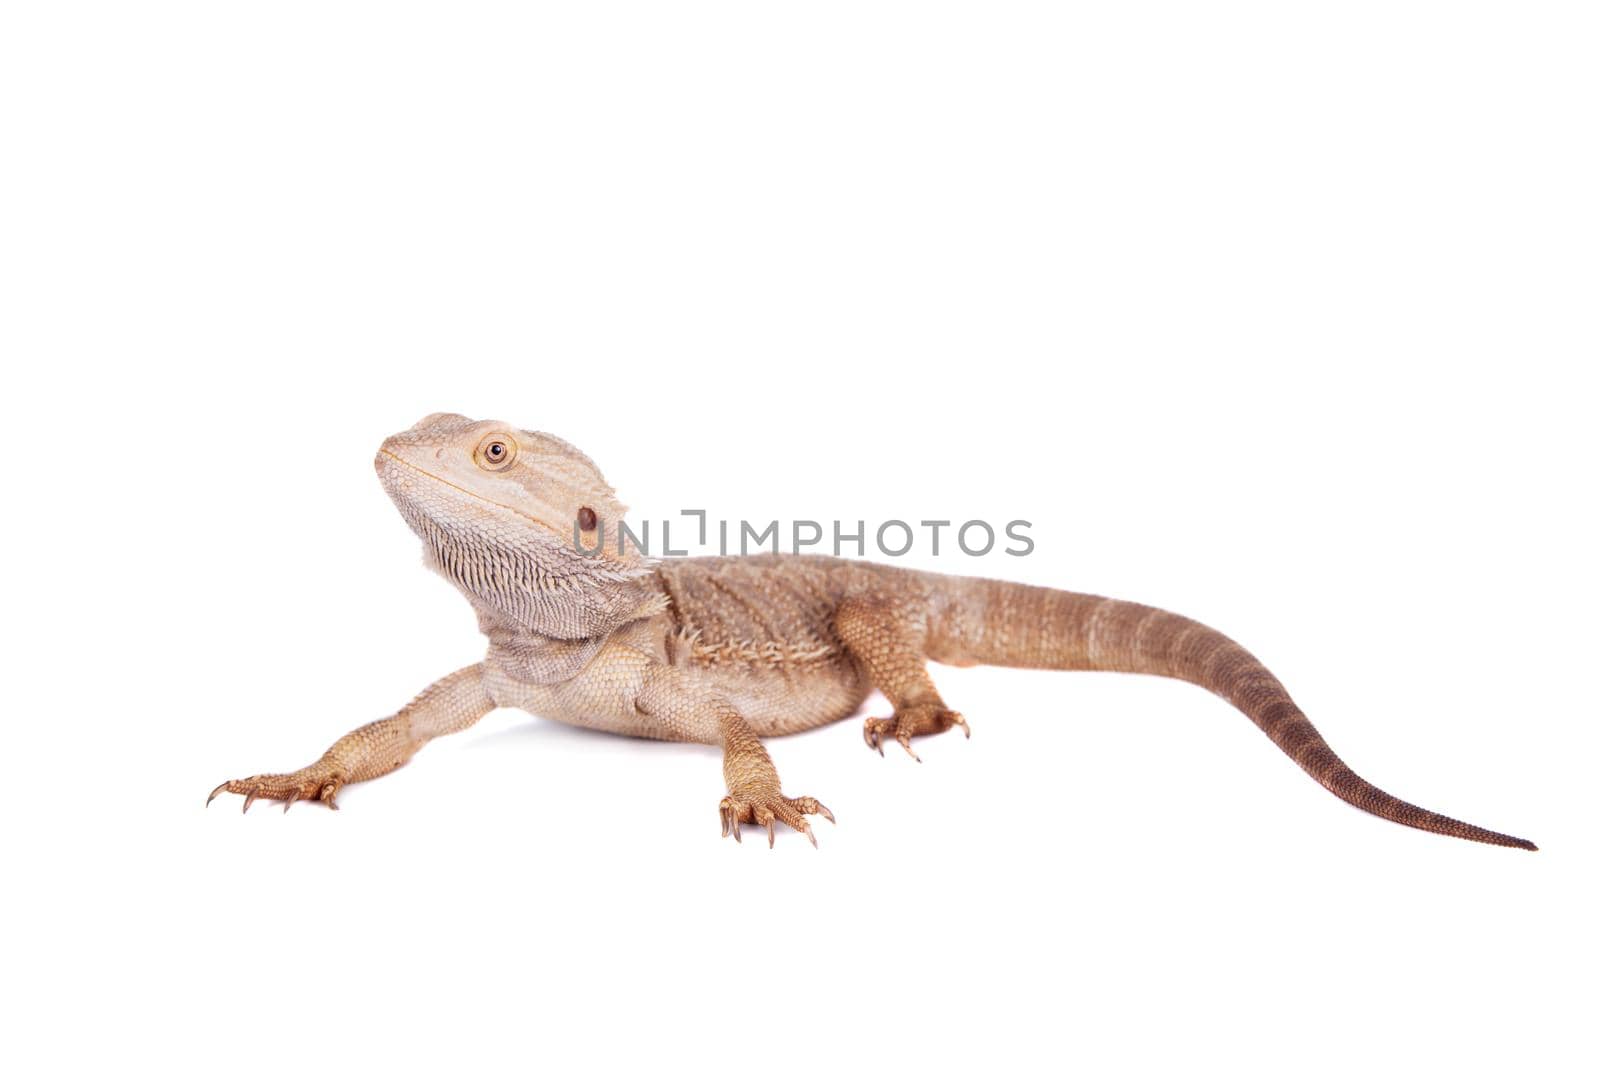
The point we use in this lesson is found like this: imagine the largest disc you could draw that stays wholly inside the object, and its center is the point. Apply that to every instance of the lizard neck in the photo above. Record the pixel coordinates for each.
(576, 612)
(558, 636)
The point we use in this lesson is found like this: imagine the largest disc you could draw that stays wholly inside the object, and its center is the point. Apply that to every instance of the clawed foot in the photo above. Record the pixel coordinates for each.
(768, 811)
(313, 783)
(912, 722)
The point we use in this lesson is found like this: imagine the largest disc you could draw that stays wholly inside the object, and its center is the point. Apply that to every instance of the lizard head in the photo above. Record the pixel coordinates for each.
(517, 520)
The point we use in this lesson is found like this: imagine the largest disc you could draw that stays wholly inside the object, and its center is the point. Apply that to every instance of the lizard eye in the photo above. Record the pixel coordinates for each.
(495, 452)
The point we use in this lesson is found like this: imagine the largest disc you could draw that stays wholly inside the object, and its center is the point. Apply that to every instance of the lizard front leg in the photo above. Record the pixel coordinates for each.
(755, 796)
(889, 639)
(449, 705)
(703, 713)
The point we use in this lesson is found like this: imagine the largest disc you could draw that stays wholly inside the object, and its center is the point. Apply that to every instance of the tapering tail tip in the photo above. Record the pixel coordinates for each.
(1489, 836)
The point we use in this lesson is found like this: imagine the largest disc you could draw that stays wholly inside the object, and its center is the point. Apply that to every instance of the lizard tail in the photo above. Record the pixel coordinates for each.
(1003, 624)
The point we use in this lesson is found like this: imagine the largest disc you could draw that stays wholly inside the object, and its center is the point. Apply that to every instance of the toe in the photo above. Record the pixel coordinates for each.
(769, 821)
(732, 814)
(812, 805)
(792, 814)
(872, 731)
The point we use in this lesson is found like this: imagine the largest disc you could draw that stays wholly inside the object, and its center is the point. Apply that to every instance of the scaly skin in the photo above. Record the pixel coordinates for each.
(727, 650)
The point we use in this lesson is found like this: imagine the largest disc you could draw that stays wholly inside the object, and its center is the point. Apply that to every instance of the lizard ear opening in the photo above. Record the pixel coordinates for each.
(587, 519)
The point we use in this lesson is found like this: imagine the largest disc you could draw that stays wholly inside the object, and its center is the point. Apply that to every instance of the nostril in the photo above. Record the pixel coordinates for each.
(438, 453)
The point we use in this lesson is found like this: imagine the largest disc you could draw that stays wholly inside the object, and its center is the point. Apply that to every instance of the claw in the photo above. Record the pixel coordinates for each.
(249, 799)
(962, 722)
(826, 813)
(870, 734)
(811, 836)
(905, 742)
(769, 821)
(329, 791)
(216, 792)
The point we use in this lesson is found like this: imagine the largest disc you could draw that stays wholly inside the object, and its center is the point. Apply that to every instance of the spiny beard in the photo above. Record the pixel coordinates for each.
(529, 578)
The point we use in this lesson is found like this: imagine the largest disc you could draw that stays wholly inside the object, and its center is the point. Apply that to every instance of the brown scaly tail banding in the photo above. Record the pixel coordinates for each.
(1003, 624)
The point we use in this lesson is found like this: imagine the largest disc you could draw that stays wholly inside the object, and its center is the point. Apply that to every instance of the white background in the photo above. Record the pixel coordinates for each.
(1278, 318)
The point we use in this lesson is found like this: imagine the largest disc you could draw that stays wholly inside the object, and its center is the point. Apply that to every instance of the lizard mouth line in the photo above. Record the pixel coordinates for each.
(468, 492)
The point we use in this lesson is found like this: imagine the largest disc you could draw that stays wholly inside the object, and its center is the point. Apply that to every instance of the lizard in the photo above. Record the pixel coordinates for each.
(728, 650)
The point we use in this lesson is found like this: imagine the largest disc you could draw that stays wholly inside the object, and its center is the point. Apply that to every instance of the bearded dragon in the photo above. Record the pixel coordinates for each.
(726, 650)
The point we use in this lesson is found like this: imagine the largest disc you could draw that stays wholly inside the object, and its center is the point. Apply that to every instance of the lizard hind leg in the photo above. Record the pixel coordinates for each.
(889, 639)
